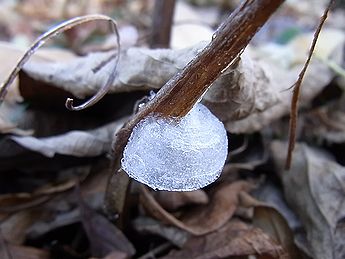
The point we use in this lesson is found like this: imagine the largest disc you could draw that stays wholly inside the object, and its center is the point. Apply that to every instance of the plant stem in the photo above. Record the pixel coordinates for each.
(177, 97)
(161, 24)
(297, 89)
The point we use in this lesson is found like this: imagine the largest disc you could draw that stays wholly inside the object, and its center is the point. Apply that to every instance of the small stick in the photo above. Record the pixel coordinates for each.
(161, 24)
(53, 32)
(178, 96)
(297, 89)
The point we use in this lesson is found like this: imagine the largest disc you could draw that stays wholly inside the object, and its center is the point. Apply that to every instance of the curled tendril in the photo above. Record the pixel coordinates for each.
(53, 32)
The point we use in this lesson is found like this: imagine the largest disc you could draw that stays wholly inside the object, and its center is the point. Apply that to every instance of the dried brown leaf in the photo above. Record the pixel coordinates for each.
(175, 235)
(235, 239)
(240, 91)
(245, 88)
(62, 209)
(138, 69)
(13, 202)
(274, 224)
(116, 255)
(284, 63)
(174, 200)
(14, 227)
(314, 187)
(74, 143)
(104, 237)
(203, 219)
(24, 252)
(327, 122)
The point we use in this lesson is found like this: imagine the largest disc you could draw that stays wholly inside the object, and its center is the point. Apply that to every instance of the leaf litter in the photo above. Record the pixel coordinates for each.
(298, 212)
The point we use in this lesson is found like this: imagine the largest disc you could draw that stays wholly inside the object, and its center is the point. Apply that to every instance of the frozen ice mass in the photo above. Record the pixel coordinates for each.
(182, 155)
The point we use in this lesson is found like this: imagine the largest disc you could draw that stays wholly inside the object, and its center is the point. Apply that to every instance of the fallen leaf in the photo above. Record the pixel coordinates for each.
(175, 235)
(14, 227)
(172, 201)
(12, 202)
(116, 255)
(10, 110)
(245, 88)
(12, 53)
(240, 90)
(74, 143)
(314, 189)
(285, 63)
(273, 223)
(203, 219)
(62, 209)
(138, 69)
(326, 122)
(25, 252)
(271, 195)
(104, 237)
(235, 239)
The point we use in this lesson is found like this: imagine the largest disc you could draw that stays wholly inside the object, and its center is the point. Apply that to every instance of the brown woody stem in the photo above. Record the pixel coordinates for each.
(179, 94)
(177, 97)
(297, 89)
(161, 24)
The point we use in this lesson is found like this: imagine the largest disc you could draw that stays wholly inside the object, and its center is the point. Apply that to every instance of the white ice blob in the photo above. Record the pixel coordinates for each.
(179, 155)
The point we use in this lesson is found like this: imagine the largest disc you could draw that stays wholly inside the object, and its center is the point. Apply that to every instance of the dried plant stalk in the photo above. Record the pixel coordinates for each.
(53, 32)
(297, 89)
(179, 94)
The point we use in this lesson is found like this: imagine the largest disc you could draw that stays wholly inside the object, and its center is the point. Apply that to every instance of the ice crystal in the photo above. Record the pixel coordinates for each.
(177, 155)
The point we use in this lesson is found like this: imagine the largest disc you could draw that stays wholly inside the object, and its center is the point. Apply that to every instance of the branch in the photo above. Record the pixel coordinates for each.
(161, 24)
(181, 92)
(297, 89)
(177, 97)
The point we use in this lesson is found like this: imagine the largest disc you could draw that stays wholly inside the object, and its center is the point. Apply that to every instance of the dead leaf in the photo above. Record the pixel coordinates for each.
(175, 235)
(285, 63)
(10, 110)
(24, 252)
(104, 237)
(14, 227)
(116, 255)
(172, 201)
(138, 69)
(235, 239)
(203, 219)
(240, 91)
(327, 122)
(271, 195)
(314, 188)
(274, 224)
(74, 143)
(245, 88)
(62, 209)
(12, 53)
(13, 202)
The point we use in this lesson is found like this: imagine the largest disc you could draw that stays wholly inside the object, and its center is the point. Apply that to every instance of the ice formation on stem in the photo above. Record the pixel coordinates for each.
(177, 155)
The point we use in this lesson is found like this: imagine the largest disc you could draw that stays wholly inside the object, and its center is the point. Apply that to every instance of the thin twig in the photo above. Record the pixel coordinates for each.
(177, 97)
(53, 32)
(161, 24)
(297, 89)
